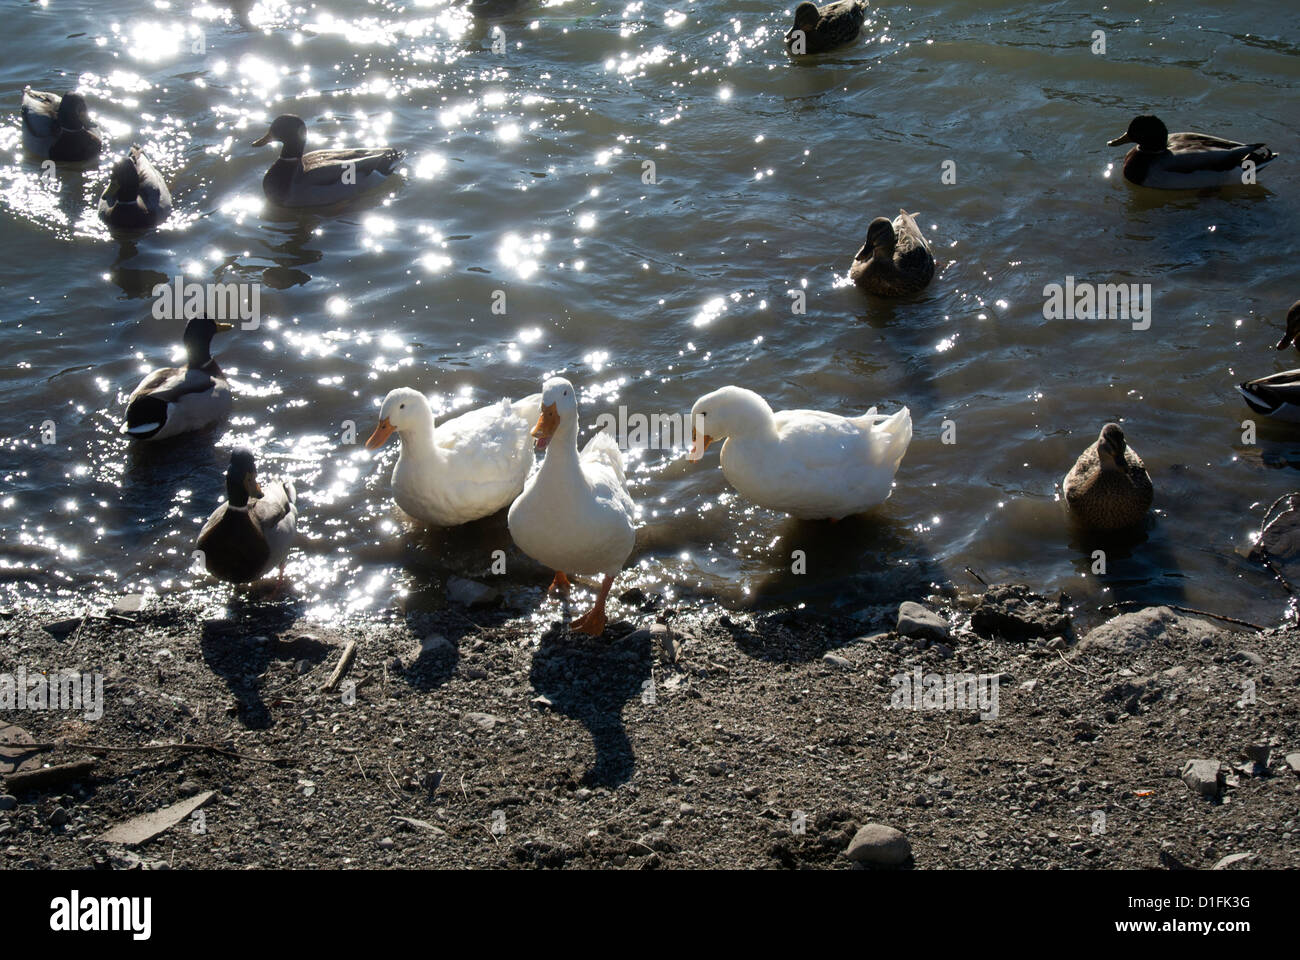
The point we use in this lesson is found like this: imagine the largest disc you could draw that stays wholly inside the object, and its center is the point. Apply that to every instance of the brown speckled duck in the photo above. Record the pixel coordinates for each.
(896, 259)
(818, 29)
(1108, 488)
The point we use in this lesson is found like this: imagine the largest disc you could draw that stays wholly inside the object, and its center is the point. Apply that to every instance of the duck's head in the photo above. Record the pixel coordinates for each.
(723, 413)
(124, 181)
(73, 112)
(403, 410)
(198, 339)
(241, 478)
(1292, 328)
(881, 240)
(806, 16)
(559, 409)
(1111, 446)
(1146, 131)
(288, 130)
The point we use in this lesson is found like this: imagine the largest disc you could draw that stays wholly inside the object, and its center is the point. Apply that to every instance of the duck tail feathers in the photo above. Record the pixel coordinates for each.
(603, 448)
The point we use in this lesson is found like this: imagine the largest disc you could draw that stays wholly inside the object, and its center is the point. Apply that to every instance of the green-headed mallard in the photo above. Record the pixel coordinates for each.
(136, 196)
(818, 29)
(176, 400)
(1276, 396)
(251, 533)
(1108, 488)
(896, 259)
(322, 177)
(1184, 161)
(59, 128)
(575, 514)
(1292, 328)
(807, 463)
(468, 467)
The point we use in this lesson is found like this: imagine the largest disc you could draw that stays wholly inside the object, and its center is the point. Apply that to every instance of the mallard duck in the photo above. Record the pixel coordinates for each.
(575, 514)
(251, 533)
(1108, 488)
(322, 177)
(818, 29)
(1184, 161)
(1276, 396)
(465, 468)
(176, 400)
(1292, 327)
(896, 260)
(809, 464)
(59, 128)
(136, 196)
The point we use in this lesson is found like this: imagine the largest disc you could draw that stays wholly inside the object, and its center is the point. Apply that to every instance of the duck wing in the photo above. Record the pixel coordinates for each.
(153, 189)
(172, 383)
(324, 167)
(40, 112)
(1269, 393)
(1190, 152)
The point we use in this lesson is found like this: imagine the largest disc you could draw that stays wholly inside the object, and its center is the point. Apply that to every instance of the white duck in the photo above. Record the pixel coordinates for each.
(466, 468)
(809, 464)
(575, 514)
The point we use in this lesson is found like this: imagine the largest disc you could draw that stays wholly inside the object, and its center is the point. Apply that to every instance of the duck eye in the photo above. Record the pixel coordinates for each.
(401, 406)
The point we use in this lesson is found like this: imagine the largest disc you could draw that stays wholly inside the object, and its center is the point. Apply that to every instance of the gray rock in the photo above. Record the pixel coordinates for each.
(386, 843)
(1014, 612)
(8, 802)
(60, 817)
(434, 644)
(1293, 761)
(942, 649)
(1204, 777)
(1136, 631)
(470, 593)
(1249, 656)
(915, 620)
(879, 845)
(484, 721)
(131, 603)
(834, 660)
(1232, 858)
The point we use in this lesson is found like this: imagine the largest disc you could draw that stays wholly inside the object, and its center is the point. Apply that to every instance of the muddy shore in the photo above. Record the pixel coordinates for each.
(465, 737)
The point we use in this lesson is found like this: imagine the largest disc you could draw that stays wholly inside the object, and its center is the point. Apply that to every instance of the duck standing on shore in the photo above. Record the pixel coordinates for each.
(136, 196)
(321, 177)
(174, 400)
(1185, 161)
(467, 467)
(250, 534)
(809, 464)
(575, 514)
(59, 128)
(818, 29)
(1108, 487)
(896, 259)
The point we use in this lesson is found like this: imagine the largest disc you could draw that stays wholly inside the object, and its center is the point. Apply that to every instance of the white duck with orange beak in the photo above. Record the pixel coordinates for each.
(463, 469)
(575, 514)
(809, 464)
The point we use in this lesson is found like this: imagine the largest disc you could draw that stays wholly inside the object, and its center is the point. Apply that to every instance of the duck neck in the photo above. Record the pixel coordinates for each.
(417, 438)
(562, 452)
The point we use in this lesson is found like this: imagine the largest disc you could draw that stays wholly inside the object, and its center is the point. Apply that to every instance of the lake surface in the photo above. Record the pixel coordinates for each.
(525, 173)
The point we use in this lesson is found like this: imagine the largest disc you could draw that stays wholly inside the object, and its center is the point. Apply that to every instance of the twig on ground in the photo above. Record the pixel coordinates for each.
(345, 661)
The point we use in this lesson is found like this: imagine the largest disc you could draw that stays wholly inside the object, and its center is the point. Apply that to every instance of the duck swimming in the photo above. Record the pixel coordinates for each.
(250, 534)
(321, 177)
(58, 127)
(896, 260)
(575, 514)
(136, 196)
(1108, 487)
(175, 400)
(1184, 161)
(1276, 396)
(809, 464)
(1292, 327)
(818, 29)
(465, 468)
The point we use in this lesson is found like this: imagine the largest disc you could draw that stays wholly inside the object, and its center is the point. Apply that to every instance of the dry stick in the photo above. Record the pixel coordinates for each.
(43, 777)
(1072, 666)
(148, 748)
(345, 661)
(976, 576)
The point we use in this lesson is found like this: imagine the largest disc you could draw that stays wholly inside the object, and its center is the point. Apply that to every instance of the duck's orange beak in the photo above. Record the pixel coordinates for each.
(699, 444)
(381, 435)
(547, 424)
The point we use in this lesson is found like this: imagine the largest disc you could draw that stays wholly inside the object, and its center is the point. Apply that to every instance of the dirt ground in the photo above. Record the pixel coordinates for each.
(766, 743)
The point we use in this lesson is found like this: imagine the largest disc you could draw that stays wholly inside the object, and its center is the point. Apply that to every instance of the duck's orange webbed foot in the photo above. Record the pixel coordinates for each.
(560, 584)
